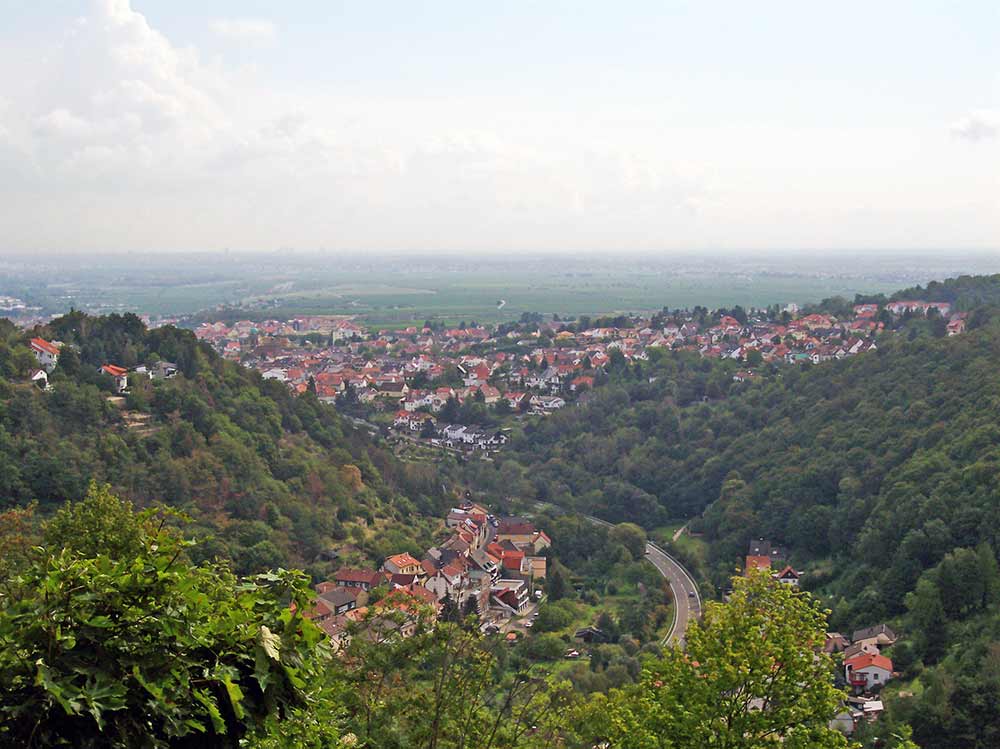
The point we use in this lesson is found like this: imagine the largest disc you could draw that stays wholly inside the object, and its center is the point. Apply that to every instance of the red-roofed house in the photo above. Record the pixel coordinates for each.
(46, 352)
(518, 530)
(867, 671)
(403, 564)
(512, 560)
(118, 374)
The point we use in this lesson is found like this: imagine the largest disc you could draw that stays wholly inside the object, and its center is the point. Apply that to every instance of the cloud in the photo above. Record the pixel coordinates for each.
(977, 126)
(125, 139)
(245, 29)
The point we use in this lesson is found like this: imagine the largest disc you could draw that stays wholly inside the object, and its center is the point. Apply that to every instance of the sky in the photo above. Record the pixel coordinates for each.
(506, 127)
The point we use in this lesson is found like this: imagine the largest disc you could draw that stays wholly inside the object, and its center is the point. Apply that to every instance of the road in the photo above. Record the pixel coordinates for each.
(687, 607)
(687, 600)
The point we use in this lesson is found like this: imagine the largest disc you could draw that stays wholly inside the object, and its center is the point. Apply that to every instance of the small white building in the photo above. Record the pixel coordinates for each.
(40, 378)
(867, 671)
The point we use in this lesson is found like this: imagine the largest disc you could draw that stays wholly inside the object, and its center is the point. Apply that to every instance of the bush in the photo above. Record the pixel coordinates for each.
(555, 615)
(542, 647)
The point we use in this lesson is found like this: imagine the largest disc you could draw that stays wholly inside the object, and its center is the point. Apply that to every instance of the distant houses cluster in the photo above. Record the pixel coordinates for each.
(47, 354)
(488, 566)
(423, 368)
(866, 668)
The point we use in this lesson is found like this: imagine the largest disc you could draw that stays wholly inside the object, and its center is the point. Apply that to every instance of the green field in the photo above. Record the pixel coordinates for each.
(406, 290)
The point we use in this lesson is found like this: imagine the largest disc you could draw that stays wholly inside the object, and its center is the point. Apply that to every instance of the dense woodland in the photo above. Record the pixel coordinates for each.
(880, 473)
(111, 636)
(270, 479)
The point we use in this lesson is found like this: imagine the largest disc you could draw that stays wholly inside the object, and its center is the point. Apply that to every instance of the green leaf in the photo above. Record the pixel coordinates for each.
(213, 710)
(235, 695)
(262, 669)
(153, 689)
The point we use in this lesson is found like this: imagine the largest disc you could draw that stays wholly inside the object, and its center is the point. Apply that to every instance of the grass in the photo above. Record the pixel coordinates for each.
(689, 547)
(408, 291)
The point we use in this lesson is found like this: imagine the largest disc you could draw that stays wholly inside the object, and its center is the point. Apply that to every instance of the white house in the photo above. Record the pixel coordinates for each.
(47, 353)
(788, 576)
(119, 375)
(867, 671)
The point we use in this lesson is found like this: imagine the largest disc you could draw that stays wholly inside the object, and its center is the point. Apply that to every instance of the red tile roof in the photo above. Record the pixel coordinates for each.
(42, 345)
(345, 574)
(403, 560)
(758, 563)
(866, 660)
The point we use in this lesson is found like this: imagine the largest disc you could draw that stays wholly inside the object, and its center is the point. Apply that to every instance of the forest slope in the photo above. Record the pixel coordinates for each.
(274, 479)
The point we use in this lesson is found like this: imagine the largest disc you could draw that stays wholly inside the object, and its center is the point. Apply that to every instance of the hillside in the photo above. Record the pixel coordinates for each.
(270, 479)
(879, 473)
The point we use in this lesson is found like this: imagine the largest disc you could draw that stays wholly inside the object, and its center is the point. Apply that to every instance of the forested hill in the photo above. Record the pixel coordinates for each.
(879, 473)
(965, 292)
(274, 479)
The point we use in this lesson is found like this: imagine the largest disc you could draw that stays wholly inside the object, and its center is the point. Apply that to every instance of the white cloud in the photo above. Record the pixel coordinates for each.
(245, 29)
(977, 126)
(115, 136)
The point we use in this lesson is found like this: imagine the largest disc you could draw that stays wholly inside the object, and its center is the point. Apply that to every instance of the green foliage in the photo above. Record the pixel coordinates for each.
(749, 677)
(555, 615)
(131, 645)
(217, 442)
(100, 524)
(966, 292)
(447, 687)
(632, 537)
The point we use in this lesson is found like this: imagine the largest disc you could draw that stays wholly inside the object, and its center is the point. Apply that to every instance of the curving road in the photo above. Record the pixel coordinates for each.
(687, 600)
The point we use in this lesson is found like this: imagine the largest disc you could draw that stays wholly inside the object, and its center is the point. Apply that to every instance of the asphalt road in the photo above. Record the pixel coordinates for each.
(687, 607)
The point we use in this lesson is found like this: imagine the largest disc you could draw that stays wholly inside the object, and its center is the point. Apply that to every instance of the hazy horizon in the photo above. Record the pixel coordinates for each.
(518, 128)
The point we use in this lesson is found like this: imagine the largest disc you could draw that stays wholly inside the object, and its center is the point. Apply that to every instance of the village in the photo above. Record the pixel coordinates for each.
(429, 380)
(865, 668)
(491, 567)
(488, 567)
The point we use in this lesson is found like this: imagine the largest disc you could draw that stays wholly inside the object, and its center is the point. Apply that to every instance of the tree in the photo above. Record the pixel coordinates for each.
(927, 613)
(428, 429)
(450, 410)
(137, 647)
(753, 674)
(449, 608)
(444, 687)
(607, 624)
(471, 607)
(632, 537)
(556, 584)
(100, 524)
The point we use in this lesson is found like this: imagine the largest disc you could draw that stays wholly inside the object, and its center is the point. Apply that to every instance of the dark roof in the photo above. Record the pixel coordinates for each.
(761, 547)
(338, 597)
(878, 629)
(516, 526)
